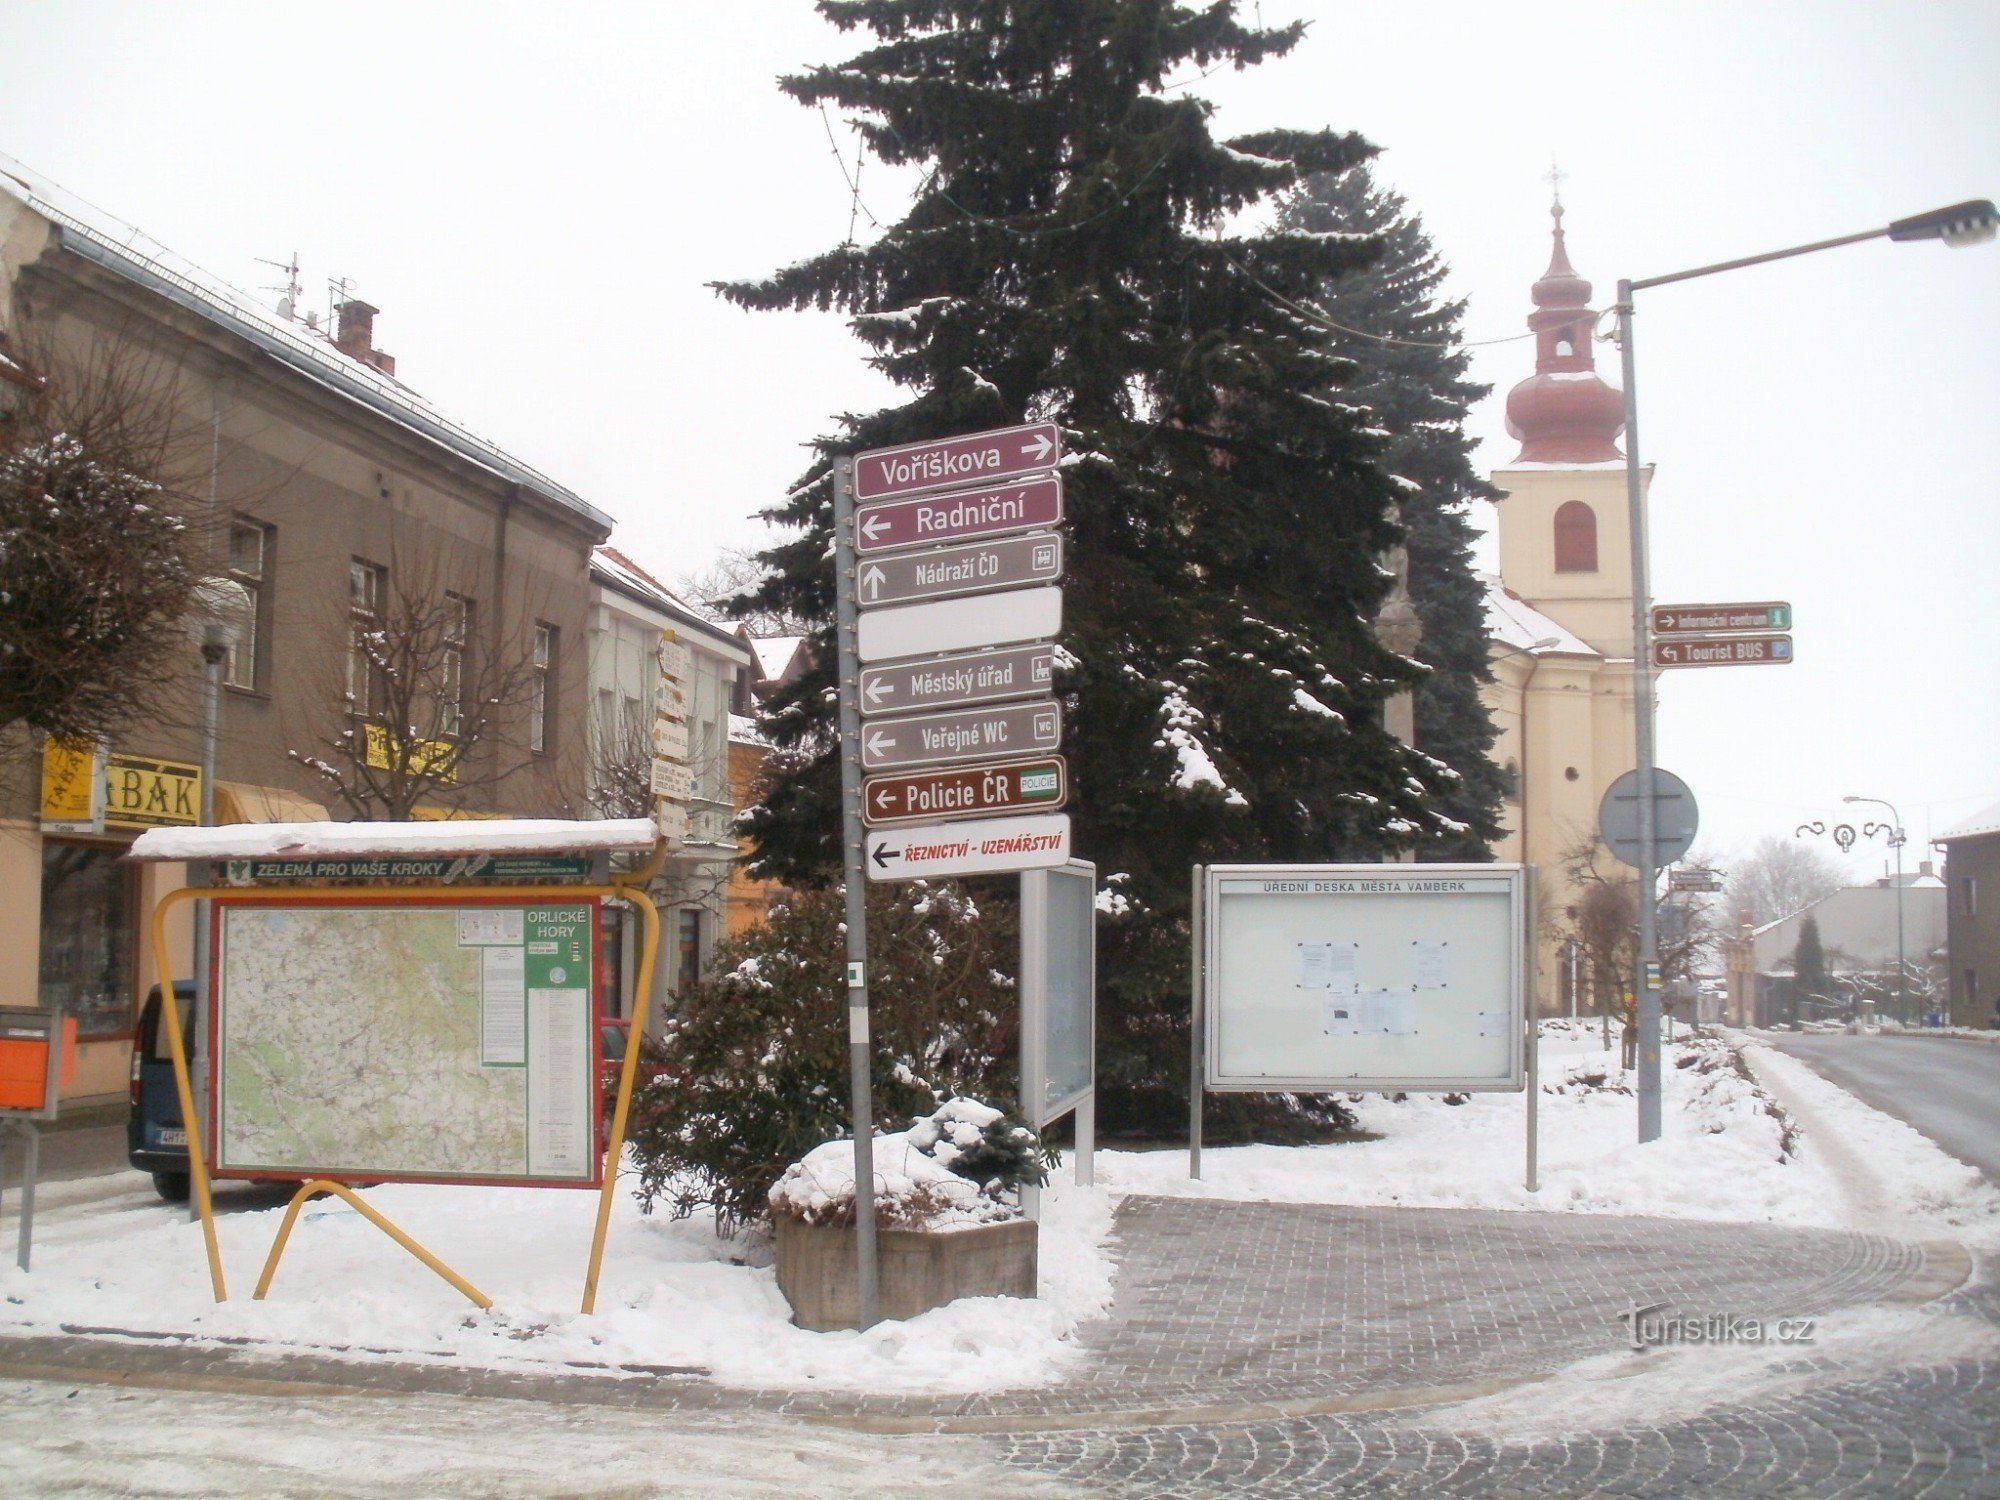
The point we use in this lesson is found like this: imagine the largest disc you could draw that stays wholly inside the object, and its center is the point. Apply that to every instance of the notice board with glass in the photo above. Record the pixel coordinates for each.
(1331, 977)
(418, 1040)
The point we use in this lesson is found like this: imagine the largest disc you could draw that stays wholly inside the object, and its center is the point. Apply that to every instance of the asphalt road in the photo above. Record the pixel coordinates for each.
(1948, 1088)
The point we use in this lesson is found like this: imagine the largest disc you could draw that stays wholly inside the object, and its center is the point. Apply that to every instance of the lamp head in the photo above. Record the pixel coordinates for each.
(1968, 223)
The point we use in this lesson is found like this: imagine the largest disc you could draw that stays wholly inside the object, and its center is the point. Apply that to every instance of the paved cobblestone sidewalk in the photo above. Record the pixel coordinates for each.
(1303, 1349)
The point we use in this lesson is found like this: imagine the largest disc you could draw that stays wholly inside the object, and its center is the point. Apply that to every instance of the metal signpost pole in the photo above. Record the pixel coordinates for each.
(214, 652)
(1647, 977)
(847, 616)
(1196, 1021)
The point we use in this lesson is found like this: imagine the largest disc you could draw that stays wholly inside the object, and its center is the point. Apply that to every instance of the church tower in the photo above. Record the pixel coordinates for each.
(1564, 540)
(1560, 613)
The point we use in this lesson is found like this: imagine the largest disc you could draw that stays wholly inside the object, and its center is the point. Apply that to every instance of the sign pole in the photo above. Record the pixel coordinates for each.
(1648, 976)
(1196, 1020)
(847, 615)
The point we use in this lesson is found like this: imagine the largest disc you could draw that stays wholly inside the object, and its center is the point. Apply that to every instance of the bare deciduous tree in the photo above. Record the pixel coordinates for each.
(1603, 920)
(100, 544)
(729, 580)
(437, 707)
(1780, 875)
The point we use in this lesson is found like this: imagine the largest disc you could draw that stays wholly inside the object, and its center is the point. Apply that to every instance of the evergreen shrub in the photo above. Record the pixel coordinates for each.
(756, 1057)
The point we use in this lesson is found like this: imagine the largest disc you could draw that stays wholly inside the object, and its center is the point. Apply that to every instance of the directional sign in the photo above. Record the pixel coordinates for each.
(984, 846)
(961, 735)
(1681, 879)
(970, 791)
(975, 568)
(1725, 651)
(955, 462)
(947, 681)
(958, 516)
(960, 624)
(1714, 619)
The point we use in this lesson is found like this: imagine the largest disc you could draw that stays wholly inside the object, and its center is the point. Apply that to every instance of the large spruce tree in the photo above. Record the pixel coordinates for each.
(1069, 256)
(1404, 337)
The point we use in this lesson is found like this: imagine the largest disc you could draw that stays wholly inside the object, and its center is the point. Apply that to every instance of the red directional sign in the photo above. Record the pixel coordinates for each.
(972, 791)
(948, 463)
(1725, 651)
(1714, 619)
(958, 515)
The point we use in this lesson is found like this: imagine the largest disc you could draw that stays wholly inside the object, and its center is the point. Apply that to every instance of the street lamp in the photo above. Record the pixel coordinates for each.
(1894, 833)
(1961, 224)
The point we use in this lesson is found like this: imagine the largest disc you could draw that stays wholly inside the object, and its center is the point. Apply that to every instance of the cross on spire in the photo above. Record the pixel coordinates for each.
(1556, 176)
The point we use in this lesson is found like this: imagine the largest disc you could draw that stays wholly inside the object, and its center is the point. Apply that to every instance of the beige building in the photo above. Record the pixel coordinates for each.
(1560, 612)
(330, 490)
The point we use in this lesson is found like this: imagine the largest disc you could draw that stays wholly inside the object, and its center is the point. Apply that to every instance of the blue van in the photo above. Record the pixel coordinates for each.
(155, 1134)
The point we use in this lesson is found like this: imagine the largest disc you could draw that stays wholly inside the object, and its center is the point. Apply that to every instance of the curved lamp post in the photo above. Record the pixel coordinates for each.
(1894, 833)
(1961, 224)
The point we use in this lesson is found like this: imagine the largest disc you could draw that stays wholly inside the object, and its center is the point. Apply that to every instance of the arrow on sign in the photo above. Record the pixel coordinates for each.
(879, 743)
(878, 688)
(872, 580)
(883, 854)
(1039, 447)
(873, 526)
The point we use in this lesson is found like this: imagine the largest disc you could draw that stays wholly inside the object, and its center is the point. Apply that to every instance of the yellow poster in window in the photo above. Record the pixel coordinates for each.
(437, 758)
(72, 788)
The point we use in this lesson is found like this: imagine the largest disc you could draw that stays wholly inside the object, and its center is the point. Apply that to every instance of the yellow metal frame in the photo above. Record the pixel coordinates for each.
(629, 888)
(380, 1221)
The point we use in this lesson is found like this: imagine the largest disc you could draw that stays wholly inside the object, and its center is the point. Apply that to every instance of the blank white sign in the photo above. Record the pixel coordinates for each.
(959, 624)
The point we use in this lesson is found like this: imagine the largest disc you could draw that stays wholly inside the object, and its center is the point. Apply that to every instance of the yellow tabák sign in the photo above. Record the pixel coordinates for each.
(85, 790)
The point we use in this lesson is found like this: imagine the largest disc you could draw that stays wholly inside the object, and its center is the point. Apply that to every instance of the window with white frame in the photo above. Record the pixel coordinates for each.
(367, 590)
(451, 677)
(249, 557)
(541, 694)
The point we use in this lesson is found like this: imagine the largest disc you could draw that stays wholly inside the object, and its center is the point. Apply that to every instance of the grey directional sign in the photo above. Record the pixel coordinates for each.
(964, 734)
(974, 568)
(932, 682)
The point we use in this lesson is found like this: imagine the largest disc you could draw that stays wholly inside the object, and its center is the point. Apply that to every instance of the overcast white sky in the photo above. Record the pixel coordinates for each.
(536, 195)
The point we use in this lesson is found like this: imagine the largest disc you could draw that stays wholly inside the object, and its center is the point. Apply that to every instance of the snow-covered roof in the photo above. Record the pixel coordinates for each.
(774, 654)
(744, 731)
(1985, 821)
(1515, 624)
(613, 569)
(98, 237)
(358, 840)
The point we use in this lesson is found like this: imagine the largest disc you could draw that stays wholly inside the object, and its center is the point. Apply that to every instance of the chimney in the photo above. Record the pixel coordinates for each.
(354, 335)
(1925, 871)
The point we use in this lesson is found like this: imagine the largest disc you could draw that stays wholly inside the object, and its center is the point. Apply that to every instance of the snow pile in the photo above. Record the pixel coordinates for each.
(1725, 1151)
(672, 1296)
(941, 1173)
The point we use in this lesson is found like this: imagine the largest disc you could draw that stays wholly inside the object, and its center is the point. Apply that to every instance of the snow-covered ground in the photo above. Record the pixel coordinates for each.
(673, 1295)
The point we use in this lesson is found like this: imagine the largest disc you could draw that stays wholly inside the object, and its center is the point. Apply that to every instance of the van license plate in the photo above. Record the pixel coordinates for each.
(173, 1137)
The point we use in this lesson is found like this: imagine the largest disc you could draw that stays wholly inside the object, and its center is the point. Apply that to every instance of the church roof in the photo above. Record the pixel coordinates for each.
(1515, 624)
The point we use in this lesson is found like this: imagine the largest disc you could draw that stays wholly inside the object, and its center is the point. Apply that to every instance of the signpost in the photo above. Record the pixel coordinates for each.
(1684, 879)
(947, 681)
(1725, 651)
(936, 694)
(983, 846)
(1712, 619)
(959, 516)
(961, 735)
(971, 791)
(945, 463)
(975, 568)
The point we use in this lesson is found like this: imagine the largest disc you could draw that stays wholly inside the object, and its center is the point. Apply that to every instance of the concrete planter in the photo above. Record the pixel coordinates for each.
(920, 1269)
